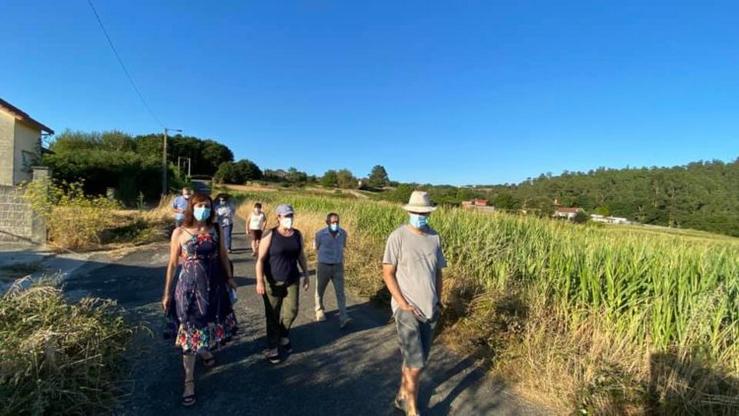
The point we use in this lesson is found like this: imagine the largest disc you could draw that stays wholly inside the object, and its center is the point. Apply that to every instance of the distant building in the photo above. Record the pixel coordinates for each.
(568, 213)
(609, 220)
(20, 144)
(478, 204)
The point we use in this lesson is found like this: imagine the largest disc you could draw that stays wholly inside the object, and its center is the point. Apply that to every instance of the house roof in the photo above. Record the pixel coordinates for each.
(573, 209)
(22, 116)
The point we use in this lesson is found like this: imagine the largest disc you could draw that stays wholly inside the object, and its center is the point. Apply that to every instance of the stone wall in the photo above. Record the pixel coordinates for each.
(18, 223)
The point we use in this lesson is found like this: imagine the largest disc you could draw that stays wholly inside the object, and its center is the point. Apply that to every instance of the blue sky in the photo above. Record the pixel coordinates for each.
(463, 92)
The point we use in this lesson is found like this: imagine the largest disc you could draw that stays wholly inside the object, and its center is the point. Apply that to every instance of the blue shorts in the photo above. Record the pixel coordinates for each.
(414, 337)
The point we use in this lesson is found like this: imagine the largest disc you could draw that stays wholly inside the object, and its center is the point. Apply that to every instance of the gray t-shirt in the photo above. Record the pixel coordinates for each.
(416, 259)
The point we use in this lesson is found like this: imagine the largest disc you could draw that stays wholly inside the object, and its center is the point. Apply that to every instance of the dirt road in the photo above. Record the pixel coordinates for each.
(353, 371)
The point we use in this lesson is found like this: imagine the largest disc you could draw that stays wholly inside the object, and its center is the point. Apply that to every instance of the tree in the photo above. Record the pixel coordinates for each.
(295, 176)
(238, 172)
(378, 177)
(248, 170)
(213, 154)
(580, 217)
(329, 179)
(345, 179)
(225, 173)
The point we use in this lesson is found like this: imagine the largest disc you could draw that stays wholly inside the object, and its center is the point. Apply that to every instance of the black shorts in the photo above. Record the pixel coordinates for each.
(255, 234)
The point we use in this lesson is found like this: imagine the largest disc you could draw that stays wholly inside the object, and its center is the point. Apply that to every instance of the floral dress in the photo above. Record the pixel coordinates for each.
(204, 311)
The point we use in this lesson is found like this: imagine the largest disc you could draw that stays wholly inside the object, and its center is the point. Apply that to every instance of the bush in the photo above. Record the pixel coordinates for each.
(581, 217)
(57, 357)
(74, 220)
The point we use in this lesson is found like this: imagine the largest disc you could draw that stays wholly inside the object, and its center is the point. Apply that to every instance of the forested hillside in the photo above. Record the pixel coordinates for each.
(700, 195)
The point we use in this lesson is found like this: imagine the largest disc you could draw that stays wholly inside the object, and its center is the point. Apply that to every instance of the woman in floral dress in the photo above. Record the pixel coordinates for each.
(201, 298)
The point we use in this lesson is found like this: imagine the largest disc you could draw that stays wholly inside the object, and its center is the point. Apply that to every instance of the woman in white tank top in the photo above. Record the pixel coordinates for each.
(255, 225)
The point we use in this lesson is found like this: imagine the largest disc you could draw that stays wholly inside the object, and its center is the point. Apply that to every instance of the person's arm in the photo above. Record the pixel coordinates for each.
(246, 225)
(303, 262)
(388, 275)
(440, 264)
(174, 254)
(316, 242)
(223, 254)
(439, 284)
(263, 250)
(264, 223)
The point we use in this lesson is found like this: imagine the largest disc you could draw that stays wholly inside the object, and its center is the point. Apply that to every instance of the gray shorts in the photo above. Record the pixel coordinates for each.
(414, 337)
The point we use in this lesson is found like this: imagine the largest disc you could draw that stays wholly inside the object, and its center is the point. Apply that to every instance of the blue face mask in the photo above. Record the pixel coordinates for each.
(419, 221)
(333, 227)
(201, 213)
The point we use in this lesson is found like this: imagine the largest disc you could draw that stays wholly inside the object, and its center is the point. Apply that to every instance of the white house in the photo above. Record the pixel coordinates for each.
(609, 220)
(568, 213)
(20, 144)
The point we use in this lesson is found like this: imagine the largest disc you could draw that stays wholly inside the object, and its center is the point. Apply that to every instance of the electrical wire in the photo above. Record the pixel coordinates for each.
(123, 66)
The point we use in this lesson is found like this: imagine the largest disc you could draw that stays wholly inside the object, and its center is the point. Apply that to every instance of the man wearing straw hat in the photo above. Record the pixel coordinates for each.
(412, 267)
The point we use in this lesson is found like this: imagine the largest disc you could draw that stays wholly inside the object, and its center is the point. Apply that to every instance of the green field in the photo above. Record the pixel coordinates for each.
(601, 306)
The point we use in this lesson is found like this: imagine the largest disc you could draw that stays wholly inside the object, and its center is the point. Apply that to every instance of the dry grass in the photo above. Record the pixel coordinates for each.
(57, 357)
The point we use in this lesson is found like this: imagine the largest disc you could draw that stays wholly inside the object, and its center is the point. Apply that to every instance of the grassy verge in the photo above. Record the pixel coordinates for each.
(57, 357)
(586, 319)
(76, 221)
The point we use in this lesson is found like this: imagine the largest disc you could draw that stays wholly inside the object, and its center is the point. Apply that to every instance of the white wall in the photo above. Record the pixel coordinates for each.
(7, 140)
(26, 141)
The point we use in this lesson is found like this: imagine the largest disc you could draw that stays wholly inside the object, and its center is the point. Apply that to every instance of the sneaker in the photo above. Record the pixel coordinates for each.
(344, 322)
(320, 316)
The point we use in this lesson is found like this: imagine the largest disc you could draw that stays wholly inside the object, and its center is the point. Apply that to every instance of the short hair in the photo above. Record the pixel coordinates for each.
(194, 200)
(331, 214)
(258, 205)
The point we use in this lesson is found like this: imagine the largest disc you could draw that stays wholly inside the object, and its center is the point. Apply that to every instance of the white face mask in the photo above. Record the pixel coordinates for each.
(286, 223)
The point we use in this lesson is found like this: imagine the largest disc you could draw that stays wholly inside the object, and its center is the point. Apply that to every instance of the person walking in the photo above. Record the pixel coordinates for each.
(225, 211)
(201, 296)
(179, 205)
(280, 253)
(412, 271)
(255, 225)
(330, 243)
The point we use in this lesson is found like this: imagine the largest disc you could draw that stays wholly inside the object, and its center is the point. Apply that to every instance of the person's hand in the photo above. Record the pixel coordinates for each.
(306, 283)
(405, 306)
(260, 287)
(166, 301)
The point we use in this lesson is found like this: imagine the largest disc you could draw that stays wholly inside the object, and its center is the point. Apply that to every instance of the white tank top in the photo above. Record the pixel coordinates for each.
(256, 222)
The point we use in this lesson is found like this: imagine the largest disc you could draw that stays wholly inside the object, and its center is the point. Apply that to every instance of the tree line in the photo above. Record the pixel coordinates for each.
(700, 195)
(131, 165)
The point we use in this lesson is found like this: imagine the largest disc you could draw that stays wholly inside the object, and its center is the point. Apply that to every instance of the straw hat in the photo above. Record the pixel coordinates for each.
(419, 202)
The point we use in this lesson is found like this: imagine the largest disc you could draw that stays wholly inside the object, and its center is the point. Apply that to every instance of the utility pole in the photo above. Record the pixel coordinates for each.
(164, 159)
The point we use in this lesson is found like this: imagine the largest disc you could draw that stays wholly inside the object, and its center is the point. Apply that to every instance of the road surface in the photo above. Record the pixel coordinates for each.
(354, 371)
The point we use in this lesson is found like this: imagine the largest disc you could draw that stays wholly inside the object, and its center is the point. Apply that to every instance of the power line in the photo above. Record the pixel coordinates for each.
(123, 66)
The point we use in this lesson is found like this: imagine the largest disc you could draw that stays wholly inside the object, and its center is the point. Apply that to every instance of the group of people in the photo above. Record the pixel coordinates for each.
(199, 287)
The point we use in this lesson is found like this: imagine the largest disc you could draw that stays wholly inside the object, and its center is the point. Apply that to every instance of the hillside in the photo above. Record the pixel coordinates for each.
(700, 195)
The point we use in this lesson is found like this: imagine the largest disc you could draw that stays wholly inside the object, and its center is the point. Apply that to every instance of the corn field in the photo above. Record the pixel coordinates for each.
(657, 292)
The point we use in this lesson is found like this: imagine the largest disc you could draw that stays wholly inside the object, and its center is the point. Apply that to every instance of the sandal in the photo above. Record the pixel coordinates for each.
(272, 356)
(189, 400)
(399, 403)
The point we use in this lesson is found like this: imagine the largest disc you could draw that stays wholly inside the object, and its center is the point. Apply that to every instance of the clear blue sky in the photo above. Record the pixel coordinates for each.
(456, 92)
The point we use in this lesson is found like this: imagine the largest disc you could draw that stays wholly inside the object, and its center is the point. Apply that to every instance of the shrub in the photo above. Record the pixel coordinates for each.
(73, 219)
(57, 357)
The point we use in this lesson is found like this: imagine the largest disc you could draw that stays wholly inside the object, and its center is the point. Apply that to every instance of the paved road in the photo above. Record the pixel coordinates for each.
(332, 371)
